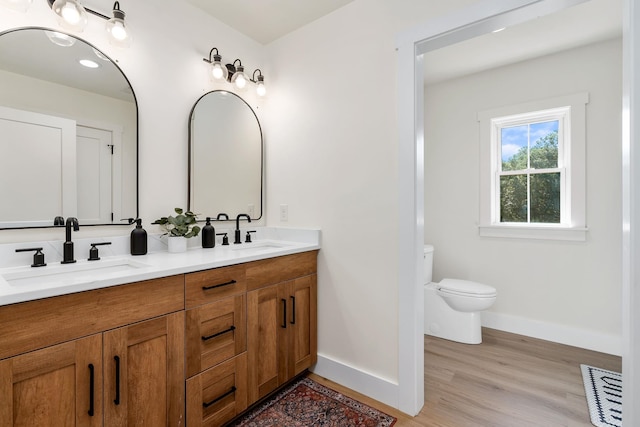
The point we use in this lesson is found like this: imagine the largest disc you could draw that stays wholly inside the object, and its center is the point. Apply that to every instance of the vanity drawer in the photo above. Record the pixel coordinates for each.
(275, 270)
(207, 286)
(218, 394)
(215, 332)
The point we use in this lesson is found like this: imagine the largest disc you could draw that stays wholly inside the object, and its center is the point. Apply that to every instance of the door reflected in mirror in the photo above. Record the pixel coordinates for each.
(225, 157)
(68, 132)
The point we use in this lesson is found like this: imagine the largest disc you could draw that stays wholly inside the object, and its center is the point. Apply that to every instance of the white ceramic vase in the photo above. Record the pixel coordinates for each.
(177, 244)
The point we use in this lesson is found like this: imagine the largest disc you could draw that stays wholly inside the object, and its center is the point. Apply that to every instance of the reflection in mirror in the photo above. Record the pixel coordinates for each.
(225, 157)
(68, 132)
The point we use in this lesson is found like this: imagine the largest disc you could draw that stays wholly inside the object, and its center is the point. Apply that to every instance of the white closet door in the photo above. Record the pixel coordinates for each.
(37, 168)
(94, 172)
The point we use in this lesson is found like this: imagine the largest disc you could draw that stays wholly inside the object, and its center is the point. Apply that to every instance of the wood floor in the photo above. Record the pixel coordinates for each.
(507, 381)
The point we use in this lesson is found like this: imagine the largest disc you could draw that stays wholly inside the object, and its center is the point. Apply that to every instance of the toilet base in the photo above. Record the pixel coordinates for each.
(442, 321)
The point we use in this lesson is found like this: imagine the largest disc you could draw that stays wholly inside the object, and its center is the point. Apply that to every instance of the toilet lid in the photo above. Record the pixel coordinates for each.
(466, 287)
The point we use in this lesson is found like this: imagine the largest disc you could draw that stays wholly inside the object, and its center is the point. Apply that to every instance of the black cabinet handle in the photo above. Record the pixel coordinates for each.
(91, 389)
(207, 404)
(232, 328)
(284, 313)
(293, 310)
(117, 399)
(206, 288)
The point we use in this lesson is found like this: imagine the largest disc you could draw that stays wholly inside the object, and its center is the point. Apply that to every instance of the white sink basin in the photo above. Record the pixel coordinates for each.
(79, 272)
(257, 247)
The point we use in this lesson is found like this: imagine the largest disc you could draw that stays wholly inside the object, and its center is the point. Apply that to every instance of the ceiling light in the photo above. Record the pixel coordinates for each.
(119, 34)
(19, 5)
(88, 63)
(261, 90)
(218, 71)
(71, 14)
(499, 29)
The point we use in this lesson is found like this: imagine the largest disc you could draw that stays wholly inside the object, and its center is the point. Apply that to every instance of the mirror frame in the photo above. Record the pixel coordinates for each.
(189, 183)
(137, 133)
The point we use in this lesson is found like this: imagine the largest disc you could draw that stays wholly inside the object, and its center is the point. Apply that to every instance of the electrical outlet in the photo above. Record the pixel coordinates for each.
(284, 212)
(251, 210)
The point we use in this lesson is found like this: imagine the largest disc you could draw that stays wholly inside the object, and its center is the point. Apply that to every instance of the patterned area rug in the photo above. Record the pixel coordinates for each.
(604, 396)
(306, 403)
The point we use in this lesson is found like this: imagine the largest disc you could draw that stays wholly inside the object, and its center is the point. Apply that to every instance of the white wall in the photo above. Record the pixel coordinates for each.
(562, 291)
(332, 158)
(164, 65)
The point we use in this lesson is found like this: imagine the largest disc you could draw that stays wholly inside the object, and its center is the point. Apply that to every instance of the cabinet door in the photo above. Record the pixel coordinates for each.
(303, 341)
(266, 340)
(144, 374)
(55, 386)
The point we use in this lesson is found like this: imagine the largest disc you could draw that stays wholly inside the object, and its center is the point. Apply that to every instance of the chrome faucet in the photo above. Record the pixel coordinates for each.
(67, 246)
(238, 239)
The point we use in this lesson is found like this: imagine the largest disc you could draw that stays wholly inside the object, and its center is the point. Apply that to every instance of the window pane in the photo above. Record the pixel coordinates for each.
(544, 145)
(545, 197)
(514, 146)
(513, 198)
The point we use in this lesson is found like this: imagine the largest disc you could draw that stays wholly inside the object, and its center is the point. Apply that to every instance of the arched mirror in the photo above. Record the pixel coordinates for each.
(68, 132)
(225, 157)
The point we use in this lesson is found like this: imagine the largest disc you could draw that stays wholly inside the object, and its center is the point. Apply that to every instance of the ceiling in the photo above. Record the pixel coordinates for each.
(268, 20)
(595, 20)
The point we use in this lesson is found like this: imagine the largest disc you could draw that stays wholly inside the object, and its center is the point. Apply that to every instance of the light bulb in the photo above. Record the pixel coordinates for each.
(261, 90)
(240, 81)
(119, 32)
(71, 14)
(217, 71)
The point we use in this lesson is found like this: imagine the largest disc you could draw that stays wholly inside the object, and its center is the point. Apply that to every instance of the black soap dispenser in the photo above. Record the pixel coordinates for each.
(208, 235)
(138, 239)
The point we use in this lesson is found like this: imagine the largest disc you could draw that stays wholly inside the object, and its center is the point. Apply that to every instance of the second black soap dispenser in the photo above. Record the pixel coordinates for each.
(138, 239)
(208, 235)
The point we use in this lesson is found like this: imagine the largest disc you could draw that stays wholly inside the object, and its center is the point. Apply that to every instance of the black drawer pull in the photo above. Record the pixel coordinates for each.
(207, 404)
(293, 310)
(207, 288)
(91, 389)
(232, 328)
(284, 313)
(117, 399)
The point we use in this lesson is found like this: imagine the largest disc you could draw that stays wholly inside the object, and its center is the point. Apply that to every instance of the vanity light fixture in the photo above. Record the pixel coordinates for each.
(236, 74)
(19, 5)
(119, 33)
(218, 71)
(60, 39)
(261, 90)
(72, 15)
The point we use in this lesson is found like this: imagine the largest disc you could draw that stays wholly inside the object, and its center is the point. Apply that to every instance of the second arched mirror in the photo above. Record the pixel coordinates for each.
(225, 157)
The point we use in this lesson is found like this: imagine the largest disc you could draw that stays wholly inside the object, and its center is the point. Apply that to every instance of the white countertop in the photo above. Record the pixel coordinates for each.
(25, 283)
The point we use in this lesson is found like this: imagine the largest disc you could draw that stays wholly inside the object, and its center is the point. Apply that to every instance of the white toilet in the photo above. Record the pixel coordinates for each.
(452, 307)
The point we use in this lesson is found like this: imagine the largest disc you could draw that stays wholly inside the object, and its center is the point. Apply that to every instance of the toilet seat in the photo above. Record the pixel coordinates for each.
(466, 288)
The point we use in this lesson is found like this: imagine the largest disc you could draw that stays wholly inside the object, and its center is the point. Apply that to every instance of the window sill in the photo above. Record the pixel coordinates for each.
(533, 232)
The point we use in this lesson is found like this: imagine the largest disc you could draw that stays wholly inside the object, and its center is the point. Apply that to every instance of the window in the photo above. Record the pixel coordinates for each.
(532, 170)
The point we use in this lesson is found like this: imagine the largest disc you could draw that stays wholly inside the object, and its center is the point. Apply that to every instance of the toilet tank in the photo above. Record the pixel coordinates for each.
(428, 263)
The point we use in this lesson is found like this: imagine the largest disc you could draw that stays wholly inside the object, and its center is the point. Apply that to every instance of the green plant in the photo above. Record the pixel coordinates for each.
(183, 224)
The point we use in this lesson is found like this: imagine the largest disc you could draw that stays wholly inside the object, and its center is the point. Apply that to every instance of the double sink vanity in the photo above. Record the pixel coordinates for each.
(193, 338)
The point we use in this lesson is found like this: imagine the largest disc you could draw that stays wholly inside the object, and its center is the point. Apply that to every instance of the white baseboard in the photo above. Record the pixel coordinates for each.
(604, 343)
(363, 382)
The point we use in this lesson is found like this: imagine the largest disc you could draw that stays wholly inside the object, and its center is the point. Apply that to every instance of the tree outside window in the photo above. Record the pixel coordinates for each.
(530, 179)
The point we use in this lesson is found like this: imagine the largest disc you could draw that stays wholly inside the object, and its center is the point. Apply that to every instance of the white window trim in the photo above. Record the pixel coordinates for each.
(574, 226)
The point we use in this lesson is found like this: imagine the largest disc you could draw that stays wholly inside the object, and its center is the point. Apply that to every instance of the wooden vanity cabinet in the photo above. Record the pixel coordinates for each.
(57, 357)
(281, 322)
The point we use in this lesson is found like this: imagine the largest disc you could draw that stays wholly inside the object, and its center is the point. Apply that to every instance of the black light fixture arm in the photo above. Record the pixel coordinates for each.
(260, 76)
(213, 57)
(116, 6)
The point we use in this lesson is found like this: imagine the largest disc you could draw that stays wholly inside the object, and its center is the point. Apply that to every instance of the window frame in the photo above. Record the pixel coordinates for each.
(571, 110)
